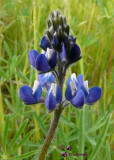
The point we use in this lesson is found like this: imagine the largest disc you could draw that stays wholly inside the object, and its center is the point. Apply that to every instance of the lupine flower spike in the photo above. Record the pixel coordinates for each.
(59, 52)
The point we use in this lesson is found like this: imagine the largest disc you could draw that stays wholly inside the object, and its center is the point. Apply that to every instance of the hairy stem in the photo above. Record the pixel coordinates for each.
(50, 134)
(54, 124)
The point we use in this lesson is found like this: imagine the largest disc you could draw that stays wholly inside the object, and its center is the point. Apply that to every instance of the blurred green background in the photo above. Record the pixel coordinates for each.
(22, 25)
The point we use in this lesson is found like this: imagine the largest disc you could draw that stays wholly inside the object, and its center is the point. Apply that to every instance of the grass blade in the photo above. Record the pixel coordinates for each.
(9, 105)
(41, 125)
(81, 134)
(5, 133)
(26, 137)
(18, 134)
(23, 156)
(62, 134)
(108, 151)
(100, 141)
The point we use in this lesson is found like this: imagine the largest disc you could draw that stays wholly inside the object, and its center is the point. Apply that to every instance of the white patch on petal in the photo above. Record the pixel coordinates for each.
(54, 89)
(45, 75)
(73, 77)
(49, 53)
(85, 83)
(42, 51)
(55, 33)
(35, 86)
(73, 87)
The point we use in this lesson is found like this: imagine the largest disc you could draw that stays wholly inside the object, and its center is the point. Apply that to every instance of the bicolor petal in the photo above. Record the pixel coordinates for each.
(84, 87)
(32, 56)
(55, 41)
(26, 95)
(70, 90)
(95, 94)
(50, 102)
(46, 79)
(63, 54)
(56, 92)
(37, 90)
(45, 43)
(51, 57)
(42, 63)
(30, 96)
(80, 80)
(78, 100)
(72, 78)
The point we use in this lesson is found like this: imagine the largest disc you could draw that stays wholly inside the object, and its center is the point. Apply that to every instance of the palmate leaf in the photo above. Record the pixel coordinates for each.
(41, 125)
(7, 49)
(100, 141)
(17, 135)
(68, 122)
(4, 60)
(9, 105)
(3, 74)
(98, 124)
(23, 156)
(91, 140)
(26, 137)
(72, 138)
(22, 76)
(95, 128)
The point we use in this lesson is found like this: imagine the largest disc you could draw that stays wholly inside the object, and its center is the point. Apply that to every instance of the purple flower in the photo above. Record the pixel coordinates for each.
(64, 154)
(53, 97)
(45, 43)
(69, 148)
(32, 55)
(46, 80)
(70, 55)
(43, 62)
(55, 41)
(75, 53)
(31, 95)
(63, 55)
(78, 94)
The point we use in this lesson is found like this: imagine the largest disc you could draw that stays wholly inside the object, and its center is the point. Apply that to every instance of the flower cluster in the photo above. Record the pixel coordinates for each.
(59, 52)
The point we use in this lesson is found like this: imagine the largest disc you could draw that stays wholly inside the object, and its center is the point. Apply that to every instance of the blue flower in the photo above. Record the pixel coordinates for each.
(43, 62)
(55, 41)
(78, 94)
(32, 55)
(45, 43)
(31, 95)
(53, 97)
(69, 53)
(74, 54)
(63, 55)
(46, 80)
